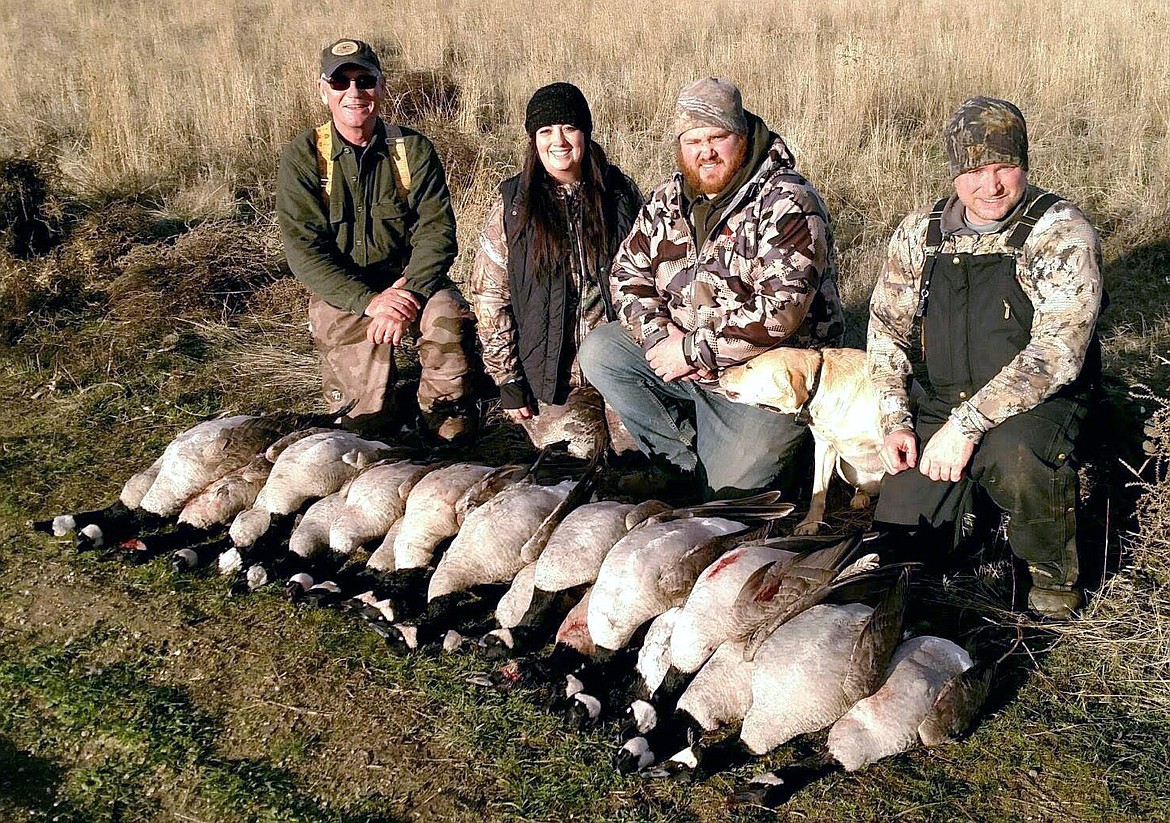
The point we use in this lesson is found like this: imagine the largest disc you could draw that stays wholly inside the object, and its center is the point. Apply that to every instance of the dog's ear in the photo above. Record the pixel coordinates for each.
(797, 378)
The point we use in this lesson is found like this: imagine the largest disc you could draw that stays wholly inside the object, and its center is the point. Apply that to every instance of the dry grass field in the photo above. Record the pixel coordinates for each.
(139, 143)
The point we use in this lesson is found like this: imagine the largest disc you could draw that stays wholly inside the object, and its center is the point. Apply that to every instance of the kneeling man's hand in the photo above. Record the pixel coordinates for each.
(385, 328)
(395, 302)
(666, 357)
(946, 454)
(899, 451)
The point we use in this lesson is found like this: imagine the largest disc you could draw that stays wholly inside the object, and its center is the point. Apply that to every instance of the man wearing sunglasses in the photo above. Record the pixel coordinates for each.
(367, 225)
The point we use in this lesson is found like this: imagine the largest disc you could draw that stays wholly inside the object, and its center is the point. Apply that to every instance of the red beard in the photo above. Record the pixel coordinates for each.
(726, 170)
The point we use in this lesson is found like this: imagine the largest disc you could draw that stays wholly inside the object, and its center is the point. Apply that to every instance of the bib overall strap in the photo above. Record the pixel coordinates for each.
(1037, 209)
(933, 241)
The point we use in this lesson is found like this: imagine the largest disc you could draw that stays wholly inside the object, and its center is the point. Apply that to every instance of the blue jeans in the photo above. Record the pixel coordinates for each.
(735, 449)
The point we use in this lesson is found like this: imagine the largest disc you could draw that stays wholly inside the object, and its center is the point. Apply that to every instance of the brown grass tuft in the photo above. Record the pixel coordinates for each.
(210, 271)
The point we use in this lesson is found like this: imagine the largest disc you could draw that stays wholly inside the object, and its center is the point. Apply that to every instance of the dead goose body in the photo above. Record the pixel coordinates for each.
(542, 594)
(429, 517)
(653, 568)
(206, 452)
(931, 692)
(375, 501)
(399, 570)
(803, 678)
(226, 497)
(484, 554)
(309, 469)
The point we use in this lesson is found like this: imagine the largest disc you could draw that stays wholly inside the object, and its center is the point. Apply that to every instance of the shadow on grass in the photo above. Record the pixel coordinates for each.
(32, 783)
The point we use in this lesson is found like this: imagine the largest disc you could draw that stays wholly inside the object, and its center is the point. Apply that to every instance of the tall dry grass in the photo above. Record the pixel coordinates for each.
(193, 101)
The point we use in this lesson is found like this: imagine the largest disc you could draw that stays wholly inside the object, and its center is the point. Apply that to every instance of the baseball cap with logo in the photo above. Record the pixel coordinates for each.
(347, 52)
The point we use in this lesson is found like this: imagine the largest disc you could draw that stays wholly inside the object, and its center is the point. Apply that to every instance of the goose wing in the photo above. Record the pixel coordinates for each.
(778, 591)
(875, 645)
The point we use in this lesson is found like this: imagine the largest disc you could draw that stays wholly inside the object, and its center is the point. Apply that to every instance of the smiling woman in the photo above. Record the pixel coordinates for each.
(540, 281)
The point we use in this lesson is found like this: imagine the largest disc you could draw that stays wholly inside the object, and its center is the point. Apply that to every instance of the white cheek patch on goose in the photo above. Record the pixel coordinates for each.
(188, 558)
(639, 747)
(94, 532)
(63, 524)
(687, 757)
(645, 715)
(409, 635)
(504, 636)
(230, 561)
(301, 579)
(573, 685)
(592, 704)
(257, 576)
(767, 779)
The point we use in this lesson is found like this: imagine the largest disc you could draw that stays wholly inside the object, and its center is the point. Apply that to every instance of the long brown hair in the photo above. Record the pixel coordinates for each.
(540, 212)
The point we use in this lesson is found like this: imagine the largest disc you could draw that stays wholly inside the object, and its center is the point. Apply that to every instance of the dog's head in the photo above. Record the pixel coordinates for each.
(779, 379)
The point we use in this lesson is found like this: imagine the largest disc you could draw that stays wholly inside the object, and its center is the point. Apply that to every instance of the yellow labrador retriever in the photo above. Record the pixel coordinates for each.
(831, 387)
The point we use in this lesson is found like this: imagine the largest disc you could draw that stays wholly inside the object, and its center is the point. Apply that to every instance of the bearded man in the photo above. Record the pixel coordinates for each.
(367, 225)
(731, 256)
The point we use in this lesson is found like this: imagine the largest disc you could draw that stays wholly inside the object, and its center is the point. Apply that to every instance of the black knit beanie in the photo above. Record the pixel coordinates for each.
(557, 103)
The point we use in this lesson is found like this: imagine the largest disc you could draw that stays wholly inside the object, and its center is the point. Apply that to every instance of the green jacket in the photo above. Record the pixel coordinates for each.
(368, 234)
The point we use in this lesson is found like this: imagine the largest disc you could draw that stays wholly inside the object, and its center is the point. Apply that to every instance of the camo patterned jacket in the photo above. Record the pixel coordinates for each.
(1058, 268)
(765, 276)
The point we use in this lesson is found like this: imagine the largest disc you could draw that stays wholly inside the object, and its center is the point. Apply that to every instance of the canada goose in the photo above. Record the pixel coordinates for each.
(310, 468)
(375, 500)
(429, 517)
(315, 466)
(488, 547)
(651, 569)
(803, 678)
(570, 561)
(931, 692)
(655, 565)
(484, 554)
(206, 452)
(226, 497)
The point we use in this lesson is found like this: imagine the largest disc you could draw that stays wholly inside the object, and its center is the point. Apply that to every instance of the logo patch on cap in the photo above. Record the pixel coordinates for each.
(345, 47)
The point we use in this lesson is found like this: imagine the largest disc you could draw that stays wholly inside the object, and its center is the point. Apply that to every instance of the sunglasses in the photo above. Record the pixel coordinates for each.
(362, 81)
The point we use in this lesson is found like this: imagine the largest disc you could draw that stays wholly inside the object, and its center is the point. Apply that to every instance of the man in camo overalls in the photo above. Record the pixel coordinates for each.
(1005, 281)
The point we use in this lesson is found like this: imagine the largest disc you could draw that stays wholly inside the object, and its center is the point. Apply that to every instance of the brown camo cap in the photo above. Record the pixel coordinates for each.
(985, 130)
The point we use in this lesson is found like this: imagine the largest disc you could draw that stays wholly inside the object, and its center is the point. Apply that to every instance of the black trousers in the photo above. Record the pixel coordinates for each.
(1026, 465)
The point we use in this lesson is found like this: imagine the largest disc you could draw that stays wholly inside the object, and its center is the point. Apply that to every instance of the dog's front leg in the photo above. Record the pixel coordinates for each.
(824, 462)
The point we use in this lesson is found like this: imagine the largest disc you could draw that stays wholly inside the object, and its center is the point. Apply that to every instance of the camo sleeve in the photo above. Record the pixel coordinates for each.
(891, 319)
(1061, 275)
(640, 308)
(492, 300)
(791, 255)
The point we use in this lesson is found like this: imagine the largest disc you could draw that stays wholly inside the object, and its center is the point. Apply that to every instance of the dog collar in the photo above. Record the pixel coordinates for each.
(803, 416)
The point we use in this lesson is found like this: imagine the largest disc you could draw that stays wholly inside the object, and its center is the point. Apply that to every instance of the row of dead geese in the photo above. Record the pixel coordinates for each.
(724, 626)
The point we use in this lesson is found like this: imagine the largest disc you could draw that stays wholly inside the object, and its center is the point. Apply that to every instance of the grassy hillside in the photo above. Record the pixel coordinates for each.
(143, 287)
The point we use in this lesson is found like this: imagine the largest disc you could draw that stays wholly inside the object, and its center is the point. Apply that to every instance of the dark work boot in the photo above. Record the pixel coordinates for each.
(452, 421)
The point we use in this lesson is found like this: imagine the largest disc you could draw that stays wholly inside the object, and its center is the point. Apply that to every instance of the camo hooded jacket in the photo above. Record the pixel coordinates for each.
(1058, 268)
(765, 276)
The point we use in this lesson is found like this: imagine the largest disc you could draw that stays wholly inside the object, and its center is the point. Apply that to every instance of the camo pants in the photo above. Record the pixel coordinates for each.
(353, 369)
